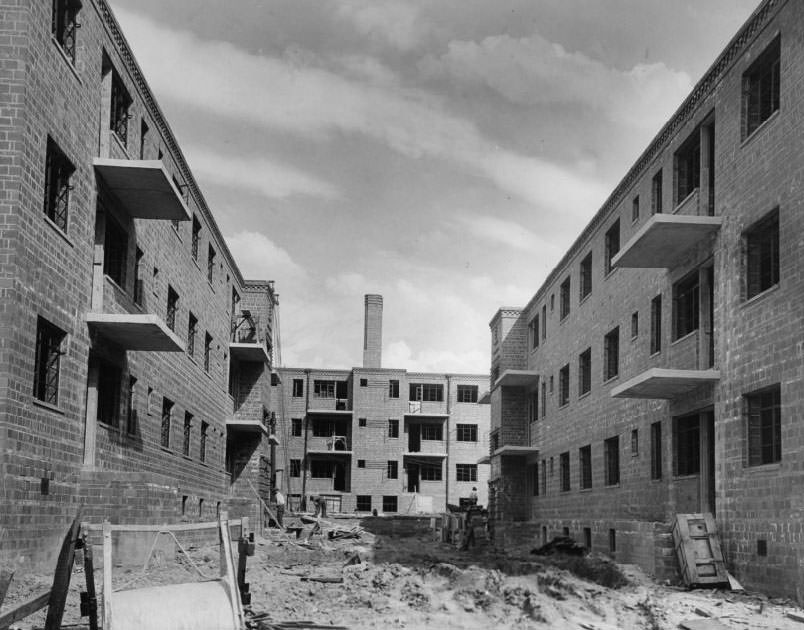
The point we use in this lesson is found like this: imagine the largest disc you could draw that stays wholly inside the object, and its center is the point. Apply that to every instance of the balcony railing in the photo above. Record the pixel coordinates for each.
(249, 341)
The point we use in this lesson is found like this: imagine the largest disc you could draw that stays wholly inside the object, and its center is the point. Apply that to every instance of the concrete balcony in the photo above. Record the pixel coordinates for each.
(485, 398)
(509, 450)
(329, 407)
(517, 378)
(664, 383)
(250, 341)
(431, 409)
(247, 425)
(139, 332)
(665, 239)
(334, 446)
(143, 188)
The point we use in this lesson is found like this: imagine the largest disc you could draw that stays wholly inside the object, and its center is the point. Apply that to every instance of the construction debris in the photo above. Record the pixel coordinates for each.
(561, 544)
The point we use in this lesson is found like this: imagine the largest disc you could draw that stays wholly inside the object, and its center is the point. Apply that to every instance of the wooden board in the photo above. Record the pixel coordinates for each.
(61, 576)
(698, 550)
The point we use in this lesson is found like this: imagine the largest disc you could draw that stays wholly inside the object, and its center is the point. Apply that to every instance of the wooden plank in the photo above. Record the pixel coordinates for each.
(5, 582)
(61, 576)
(28, 607)
(107, 575)
(178, 527)
(230, 578)
(89, 576)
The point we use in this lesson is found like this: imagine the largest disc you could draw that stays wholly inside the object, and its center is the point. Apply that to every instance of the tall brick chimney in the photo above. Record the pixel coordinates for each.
(372, 332)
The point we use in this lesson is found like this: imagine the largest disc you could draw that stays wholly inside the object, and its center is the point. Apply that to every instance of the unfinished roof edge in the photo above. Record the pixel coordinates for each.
(702, 89)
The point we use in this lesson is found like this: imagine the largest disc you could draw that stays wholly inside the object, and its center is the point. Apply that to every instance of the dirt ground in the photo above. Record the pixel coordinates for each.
(383, 581)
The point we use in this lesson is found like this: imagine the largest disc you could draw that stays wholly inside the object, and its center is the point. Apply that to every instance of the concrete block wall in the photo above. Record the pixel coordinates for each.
(48, 271)
(757, 342)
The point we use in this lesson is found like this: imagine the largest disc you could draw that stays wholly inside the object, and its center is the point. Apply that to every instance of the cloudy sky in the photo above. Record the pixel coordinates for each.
(442, 153)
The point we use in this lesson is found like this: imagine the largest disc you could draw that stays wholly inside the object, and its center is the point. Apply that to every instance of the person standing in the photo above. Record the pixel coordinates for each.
(279, 499)
(473, 496)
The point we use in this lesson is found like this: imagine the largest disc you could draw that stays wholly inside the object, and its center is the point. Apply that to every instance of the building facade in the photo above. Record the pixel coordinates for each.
(134, 357)
(386, 439)
(658, 369)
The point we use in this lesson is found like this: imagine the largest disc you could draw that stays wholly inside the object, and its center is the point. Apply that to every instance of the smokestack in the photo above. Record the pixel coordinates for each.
(372, 332)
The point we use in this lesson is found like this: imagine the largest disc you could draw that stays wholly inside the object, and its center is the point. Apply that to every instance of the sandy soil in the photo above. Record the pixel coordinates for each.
(416, 582)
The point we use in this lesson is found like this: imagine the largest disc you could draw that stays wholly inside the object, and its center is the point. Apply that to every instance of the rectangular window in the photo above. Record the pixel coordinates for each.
(298, 387)
(361, 422)
(634, 442)
(467, 393)
(144, 132)
(393, 389)
(534, 480)
(327, 428)
(544, 399)
(585, 372)
(49, 340)
(687, 445)
(58, 170)
(321, 469)
(762, 255)
(533, 331)
(586, 276)
(466, 472)
(564, 304)
(533, 405)
(393, 428)
(656, 450)
(167, 412)
(656, 193)
(563, 386)
(686, 296)
(467, 433)
(64, 25)
(363, 382)
(634, 324)
(564, 469)
(324, 389)
(295, 427)
(635, 209)
(121, 101)
(432, 432)
(115, 251)
(656, 324)
(109, 387)
(392, 469)
(196, 237)
(544, 477)
(172, 308)
(761, 88)
(139, 290)
(192, 329)
(430, 472)
(544, 322)
(611, 456)
(202, 452)
(295, 468)
(188, 426)
(612, 244)
(364, 503)
(210, 264)
(361, 463)
(611, 354)
(207, 351)
(688, 167)
(431, 392)
(131, 411)
(764, 411)
(389, 504)
(585, 464)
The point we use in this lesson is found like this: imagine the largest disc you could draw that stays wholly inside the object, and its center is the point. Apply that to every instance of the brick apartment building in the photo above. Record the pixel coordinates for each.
(378, 438)
(660, 367)
(134, 357)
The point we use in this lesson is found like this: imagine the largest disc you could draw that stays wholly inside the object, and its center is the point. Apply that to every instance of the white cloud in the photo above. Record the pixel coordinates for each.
(532, 71)
(348, 284)
(259, 258)
(255, 173)
(287, 95)
(395, 23)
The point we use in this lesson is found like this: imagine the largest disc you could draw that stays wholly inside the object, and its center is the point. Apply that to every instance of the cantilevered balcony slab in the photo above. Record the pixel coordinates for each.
(143, 187)
(664, 239)
(252, 352)
(329, 412)
(664, 383)
(485, 398)
(325, 452)
(140, 332)
(509, 450)
(518, 378)
(424, 454)
(418, 415)
(484, 460)
(246, 426)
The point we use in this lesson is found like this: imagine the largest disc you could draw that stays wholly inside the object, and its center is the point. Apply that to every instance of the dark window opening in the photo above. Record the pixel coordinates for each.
(656, 193)
(393, 428)
(761, 88)
(110, 383)
(432, 432)
(635, 209)
(564, 469)
(296, 427)
(192, 329)
(167, 412)
(656, 324)
(172, 308)
(585, 463)
(467, 433)
(298, 388)
(430, 472)
(49, 340)
(207, 351)
(612, 244)
(762, 255)
(361, 422)
(120, 104)
(389, 504)
(764, 410)
(686, 305)
(363, 503)
(563, 386)
(634, 324)
(586, 276)
(634, 442)
(188, 426)
(144, 132)
(688, 167)
(534, 480)
(363, 382)
(361, 463)
(210, 264)
(544, 322)
(585, 372)
(392, 470)
(393, 389)
(687, 445)
(611, 354)
(533, 331)
(431, 392)
(202, 451)
(131, 410)
(295, 468)
(466, 472)
(139, 290)
(611, 456)
(58, 170)
(467, 393)
(65, 25)
(762, 547)
(115, 251)
(196, 237)
(564, 304)
(612, 541)
(656, 450)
